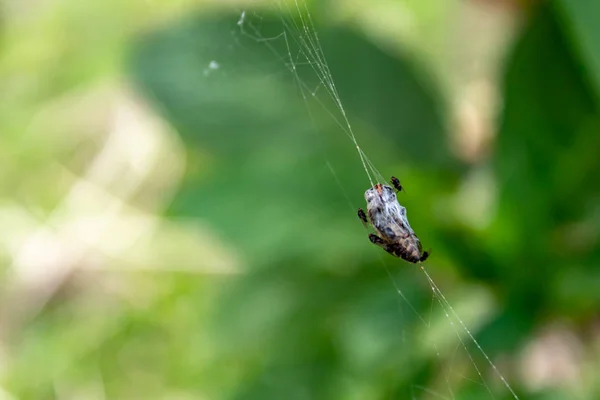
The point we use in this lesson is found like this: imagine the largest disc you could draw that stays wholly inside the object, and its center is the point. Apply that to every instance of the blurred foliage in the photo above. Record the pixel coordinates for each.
(316, 313)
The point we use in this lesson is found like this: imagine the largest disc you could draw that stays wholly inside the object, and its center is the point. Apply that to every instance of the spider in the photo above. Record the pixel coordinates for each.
(388, 219)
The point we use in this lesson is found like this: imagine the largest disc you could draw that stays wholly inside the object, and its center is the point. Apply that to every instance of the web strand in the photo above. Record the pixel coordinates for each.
(312, 50)
(446, 305)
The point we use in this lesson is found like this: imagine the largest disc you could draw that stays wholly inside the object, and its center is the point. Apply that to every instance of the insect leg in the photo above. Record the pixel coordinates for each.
(363, 217)
(425, 255)
(377, 240)
(396, 183)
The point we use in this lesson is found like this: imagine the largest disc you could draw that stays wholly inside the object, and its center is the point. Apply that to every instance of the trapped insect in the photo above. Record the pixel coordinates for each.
(388, 219)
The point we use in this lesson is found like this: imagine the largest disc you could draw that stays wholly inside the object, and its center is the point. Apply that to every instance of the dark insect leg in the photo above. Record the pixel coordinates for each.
(362, 216)
(425, 255)
(396, 183)
(377, 240)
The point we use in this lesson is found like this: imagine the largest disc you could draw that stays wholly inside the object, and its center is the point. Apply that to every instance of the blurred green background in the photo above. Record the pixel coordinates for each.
(179, 194)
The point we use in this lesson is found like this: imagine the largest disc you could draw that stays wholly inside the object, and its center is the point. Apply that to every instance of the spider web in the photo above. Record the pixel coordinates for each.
(304, 53)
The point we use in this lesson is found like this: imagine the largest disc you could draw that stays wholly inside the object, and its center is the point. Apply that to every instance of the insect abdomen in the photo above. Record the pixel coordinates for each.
(408, 250)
